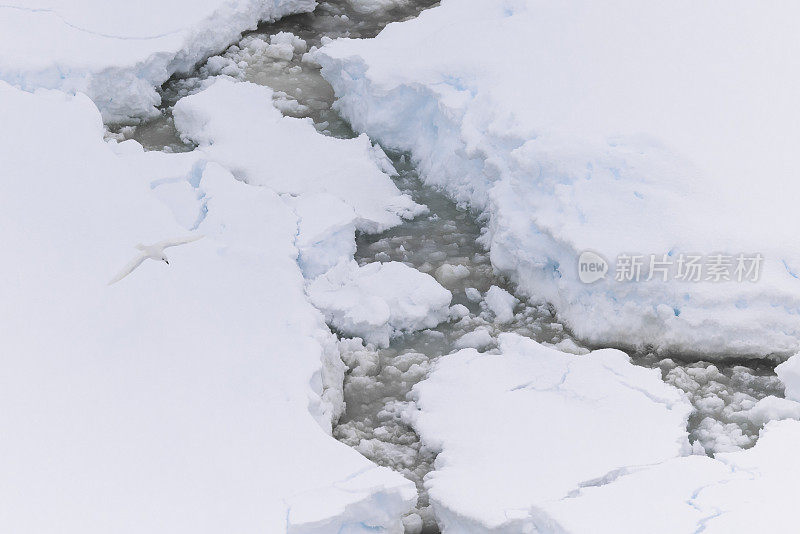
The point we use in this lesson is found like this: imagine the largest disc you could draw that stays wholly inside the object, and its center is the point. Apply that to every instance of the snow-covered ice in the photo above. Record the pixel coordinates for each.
(789, 373)
(118, 52)
(655, 500)
(448, 273)
(195, 396)
(615, 127)
(344, 187)
(379, 300)
(479, 338)
(759, 497)
(734, 493)
(768, 409)
(527, 427)
(534, 440)
(501, 303)
(200, 395)
(473, 294)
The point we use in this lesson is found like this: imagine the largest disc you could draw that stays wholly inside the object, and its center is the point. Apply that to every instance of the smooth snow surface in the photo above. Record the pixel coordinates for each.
(533, 440)
(530, 425)
(119, 52)
(617, 127)
(196, 396)
(736, 493)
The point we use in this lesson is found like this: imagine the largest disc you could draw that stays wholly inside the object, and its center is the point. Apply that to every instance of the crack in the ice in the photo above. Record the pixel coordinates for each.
(600, 481)
(193, 179)
(623, 380)
(288, 514)
(351, 476)
(296, 237)
(702, 524)
(609, 477)
(555, 387)
(86, 30)
(334, 484)
(532, 383)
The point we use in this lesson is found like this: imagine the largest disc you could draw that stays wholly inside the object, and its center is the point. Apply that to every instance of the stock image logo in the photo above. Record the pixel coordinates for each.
(664, 267)
(591, 267)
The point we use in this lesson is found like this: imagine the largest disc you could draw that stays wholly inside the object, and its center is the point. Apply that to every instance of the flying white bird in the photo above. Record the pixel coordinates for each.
(153, 252)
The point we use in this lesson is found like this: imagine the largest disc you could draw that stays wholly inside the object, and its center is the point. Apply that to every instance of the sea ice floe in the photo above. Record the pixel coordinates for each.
(530, 426)
(379, 300)
(501, 303)
(345, 187)
(209, 384)
(479, 338)
(530, 439)
(738, 492)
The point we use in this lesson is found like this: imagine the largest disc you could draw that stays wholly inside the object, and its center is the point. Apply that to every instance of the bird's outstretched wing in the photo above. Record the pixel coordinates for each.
(178, 241)
(133, 264)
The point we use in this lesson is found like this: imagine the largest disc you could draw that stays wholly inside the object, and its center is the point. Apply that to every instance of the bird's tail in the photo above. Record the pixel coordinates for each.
(140, 246)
